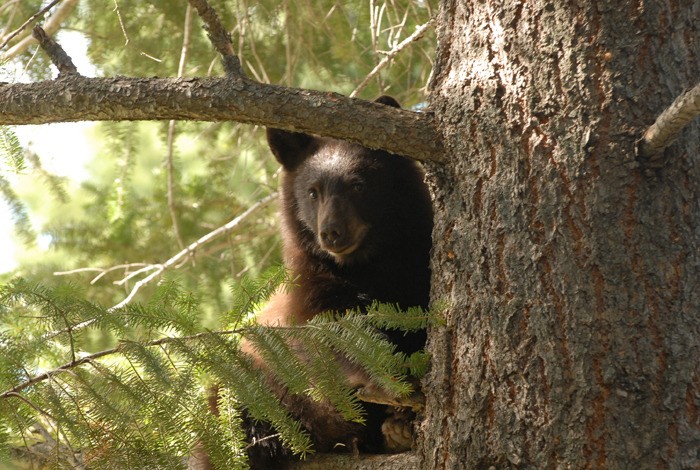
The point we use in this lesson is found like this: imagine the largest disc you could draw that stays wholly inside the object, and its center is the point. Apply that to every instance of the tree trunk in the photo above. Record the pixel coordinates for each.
(572, 269)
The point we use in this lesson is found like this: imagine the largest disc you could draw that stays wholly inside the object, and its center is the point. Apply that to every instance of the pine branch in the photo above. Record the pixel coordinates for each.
(365, 359)
(250, 293)
(249, 384)
(18, 211)
(90, 358)
(55, 183)
(11, 150)
(112, 404)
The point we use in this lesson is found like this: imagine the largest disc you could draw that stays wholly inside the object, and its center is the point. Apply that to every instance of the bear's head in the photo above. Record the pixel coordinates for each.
(345, 201)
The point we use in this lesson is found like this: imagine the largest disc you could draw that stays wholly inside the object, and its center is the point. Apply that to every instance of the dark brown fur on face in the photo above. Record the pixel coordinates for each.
(356, 226)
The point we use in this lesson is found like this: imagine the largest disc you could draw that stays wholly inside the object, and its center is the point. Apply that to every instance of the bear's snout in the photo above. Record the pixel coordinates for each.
(333, 235)
(338, 238)
(340, 230)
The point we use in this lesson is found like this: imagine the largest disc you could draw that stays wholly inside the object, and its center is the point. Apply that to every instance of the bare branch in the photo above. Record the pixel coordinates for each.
(417, 34)
(121, 22)
(160, 268)
(669, 124)
(58, 56)
(102, 271)
(77, 98)
(26, 23)
(219, 37)
(187, 31)
(50, 27)
(192, 247)
(133, 274)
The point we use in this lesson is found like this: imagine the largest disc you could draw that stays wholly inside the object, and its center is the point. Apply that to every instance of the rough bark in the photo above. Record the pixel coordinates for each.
(573, 272)
(78, 98)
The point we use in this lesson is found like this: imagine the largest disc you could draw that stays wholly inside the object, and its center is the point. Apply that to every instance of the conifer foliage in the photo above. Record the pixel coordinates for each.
(143, 403)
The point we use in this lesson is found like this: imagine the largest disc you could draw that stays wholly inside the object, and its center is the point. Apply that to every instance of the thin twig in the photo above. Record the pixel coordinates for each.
(13, 7)
(418, 33)
(148, 267)
(58, 56)
(172, 262)
(219, 37)
(170, 167)
(102, 271)
(51, 26)
(190, 249)
(187, 33)
(669, 124)
(79, 270)
(257, 441)
(31, 404)
(121, 23)
(32, 18)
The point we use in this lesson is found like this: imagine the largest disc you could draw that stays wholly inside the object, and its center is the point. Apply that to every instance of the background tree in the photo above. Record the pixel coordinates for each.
(567, 259)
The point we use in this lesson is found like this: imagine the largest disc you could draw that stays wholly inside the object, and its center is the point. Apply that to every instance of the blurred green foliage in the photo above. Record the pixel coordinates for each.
(120, 214)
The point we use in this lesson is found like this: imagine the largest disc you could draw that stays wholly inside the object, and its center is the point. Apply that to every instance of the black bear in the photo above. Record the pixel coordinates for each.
(356, 228)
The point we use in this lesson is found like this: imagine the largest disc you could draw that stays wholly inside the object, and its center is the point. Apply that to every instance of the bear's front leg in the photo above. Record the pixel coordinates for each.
(397, 430)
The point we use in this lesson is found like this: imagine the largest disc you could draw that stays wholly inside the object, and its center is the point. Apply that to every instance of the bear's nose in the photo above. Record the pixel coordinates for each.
(331, 234)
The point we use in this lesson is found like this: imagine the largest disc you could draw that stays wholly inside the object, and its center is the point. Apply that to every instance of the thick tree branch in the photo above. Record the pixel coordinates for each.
(669, 124)
(77, 98)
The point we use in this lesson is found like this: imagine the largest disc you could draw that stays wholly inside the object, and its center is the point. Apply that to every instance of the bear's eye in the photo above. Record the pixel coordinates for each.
(313, 194)
(358, 187)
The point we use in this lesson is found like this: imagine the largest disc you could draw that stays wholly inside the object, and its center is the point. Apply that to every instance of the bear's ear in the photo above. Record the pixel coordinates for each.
(290, 148)
(388, 100)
